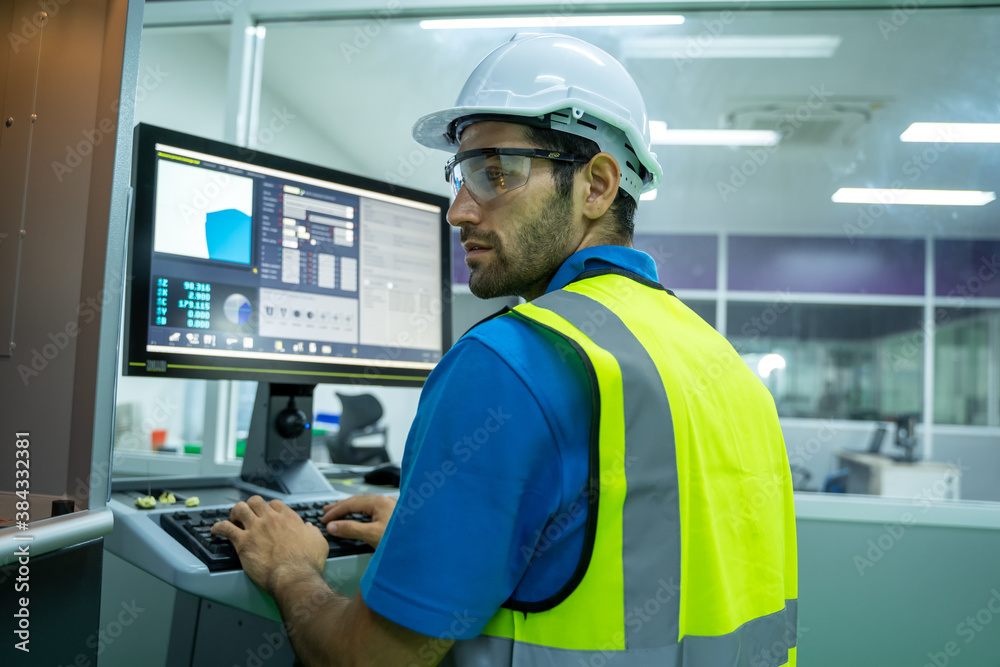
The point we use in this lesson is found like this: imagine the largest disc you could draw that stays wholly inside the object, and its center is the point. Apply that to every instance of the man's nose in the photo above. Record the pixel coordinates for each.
(464, 210)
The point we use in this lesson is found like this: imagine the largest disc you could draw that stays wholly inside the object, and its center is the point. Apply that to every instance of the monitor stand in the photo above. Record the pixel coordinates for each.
(280, 441)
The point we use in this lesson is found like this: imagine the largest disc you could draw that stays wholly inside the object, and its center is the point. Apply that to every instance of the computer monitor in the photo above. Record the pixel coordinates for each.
(249, 266)
(878, 436)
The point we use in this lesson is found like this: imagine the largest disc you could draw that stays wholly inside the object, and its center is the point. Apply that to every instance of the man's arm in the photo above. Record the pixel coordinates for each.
(327, 629)
(286, 557)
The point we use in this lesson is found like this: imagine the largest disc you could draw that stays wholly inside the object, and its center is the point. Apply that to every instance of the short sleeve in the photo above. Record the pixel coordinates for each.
(481, 477)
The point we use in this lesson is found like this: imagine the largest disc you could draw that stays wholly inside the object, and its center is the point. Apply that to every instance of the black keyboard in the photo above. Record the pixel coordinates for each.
(193, 529)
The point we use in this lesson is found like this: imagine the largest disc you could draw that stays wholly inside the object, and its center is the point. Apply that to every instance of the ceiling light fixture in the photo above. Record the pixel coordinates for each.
(659, 134)
(953, 133)
(914, 197)
(734, 46)
(595, 21)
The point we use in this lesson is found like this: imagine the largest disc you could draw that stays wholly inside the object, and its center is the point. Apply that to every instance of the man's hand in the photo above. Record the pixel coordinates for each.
(273, 542)
(286, 557)
(379, 508)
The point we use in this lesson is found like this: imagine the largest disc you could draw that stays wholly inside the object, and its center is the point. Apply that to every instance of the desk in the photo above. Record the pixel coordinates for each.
(877, 475)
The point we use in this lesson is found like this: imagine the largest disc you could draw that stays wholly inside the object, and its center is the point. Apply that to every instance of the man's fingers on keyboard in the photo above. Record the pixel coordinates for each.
(352, 505)
(242, 514)
(351, 530)
(257, 504)
(281, 508)
(226, 529)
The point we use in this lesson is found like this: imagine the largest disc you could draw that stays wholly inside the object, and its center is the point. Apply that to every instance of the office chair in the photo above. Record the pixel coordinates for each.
(836, 481)
(358, 418)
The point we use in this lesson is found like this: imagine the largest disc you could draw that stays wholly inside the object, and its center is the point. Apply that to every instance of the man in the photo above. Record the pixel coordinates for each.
(593, 478)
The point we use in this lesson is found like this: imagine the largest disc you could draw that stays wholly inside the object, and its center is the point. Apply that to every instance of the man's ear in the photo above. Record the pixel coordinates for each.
(600, 179)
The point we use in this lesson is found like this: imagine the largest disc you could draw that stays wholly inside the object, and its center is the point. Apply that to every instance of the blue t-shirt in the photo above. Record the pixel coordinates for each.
(492, 504)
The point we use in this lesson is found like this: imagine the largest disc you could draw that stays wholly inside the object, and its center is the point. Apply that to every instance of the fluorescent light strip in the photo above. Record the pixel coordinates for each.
(795, 46)
(648, 196)
(915, 197)
(953, 133)
(659, 134)
(551, 22)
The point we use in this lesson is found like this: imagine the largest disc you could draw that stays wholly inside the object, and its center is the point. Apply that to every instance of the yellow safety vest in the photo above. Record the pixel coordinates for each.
(689, 559)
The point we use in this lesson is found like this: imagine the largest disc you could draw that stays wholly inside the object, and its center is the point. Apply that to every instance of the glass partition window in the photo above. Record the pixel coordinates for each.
(705, 309)
(344, 93)
(834, 361)
(163, 416)
(964, 377)
(182, 86)
(182, 79)
(738, 223)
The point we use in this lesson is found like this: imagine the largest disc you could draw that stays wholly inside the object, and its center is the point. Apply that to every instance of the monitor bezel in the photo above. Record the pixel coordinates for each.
(137, 361)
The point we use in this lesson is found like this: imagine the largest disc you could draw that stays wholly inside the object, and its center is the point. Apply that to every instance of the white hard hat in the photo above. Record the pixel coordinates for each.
(557, 82)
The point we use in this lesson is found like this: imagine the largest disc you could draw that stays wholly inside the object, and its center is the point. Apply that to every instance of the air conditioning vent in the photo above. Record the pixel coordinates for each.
(836, 124)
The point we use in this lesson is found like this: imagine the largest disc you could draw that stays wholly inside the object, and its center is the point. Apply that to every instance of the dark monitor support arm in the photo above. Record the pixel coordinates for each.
(279, 444)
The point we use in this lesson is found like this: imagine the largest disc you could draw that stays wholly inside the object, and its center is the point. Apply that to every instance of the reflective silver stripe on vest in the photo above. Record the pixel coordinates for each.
(762, 642)
(651, 529)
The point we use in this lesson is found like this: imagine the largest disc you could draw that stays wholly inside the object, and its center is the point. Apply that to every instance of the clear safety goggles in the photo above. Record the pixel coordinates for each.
(488, 173)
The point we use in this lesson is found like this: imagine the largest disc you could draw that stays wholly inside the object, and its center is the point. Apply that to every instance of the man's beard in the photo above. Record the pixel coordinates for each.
(531, 255)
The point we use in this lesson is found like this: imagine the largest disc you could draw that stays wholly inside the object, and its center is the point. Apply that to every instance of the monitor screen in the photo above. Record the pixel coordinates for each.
(244, 265)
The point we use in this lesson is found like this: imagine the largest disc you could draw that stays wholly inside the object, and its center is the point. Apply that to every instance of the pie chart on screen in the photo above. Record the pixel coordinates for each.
(237, 308)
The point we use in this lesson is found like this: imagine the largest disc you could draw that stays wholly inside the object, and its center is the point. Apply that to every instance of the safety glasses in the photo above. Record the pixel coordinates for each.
(488, 173)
